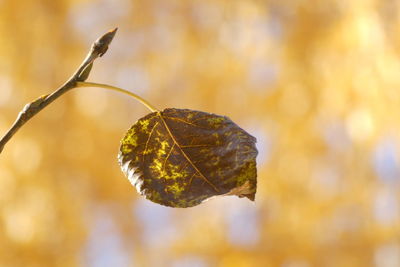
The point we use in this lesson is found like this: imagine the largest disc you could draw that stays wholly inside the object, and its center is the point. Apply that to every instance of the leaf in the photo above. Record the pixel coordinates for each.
(181, 157)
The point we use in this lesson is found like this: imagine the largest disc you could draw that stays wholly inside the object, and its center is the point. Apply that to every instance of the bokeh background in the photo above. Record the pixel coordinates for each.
(317, 82)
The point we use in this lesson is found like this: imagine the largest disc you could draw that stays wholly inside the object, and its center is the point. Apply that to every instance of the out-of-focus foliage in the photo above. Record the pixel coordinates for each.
(182, 157)
(317, 82)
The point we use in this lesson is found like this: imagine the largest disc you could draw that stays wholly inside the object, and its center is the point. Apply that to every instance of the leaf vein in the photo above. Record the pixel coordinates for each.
(186, 122)
(184, 154)
(166, 158)
(148, 140)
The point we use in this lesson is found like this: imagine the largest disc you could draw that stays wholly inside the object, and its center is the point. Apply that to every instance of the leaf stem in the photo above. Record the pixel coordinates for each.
(110, 87)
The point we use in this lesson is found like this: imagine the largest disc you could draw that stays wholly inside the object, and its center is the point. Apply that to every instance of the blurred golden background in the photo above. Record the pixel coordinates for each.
(317, 82)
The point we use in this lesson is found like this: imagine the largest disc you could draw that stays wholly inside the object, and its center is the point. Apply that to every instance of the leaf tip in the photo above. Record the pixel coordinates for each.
(251, 197)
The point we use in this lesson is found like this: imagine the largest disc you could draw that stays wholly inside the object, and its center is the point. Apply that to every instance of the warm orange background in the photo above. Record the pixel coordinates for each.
(317, 82)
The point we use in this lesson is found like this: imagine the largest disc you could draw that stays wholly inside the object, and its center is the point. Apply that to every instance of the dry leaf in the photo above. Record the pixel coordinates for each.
(181, 157)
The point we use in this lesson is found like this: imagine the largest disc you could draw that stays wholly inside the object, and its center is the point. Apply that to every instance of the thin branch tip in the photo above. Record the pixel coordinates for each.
(98, 48)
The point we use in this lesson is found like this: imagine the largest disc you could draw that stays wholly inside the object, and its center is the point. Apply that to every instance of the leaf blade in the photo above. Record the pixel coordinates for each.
(194, 156)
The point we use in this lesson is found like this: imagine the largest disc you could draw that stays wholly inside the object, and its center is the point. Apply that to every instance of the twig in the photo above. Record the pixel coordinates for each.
(99, 47)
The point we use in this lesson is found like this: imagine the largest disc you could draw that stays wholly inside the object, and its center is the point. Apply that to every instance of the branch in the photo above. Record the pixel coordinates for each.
(98, 49)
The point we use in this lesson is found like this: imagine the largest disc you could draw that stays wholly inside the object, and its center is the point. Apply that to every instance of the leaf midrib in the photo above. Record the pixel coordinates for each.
(183, 152)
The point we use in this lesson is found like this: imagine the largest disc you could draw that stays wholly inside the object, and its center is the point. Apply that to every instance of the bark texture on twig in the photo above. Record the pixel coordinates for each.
(99, 47)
